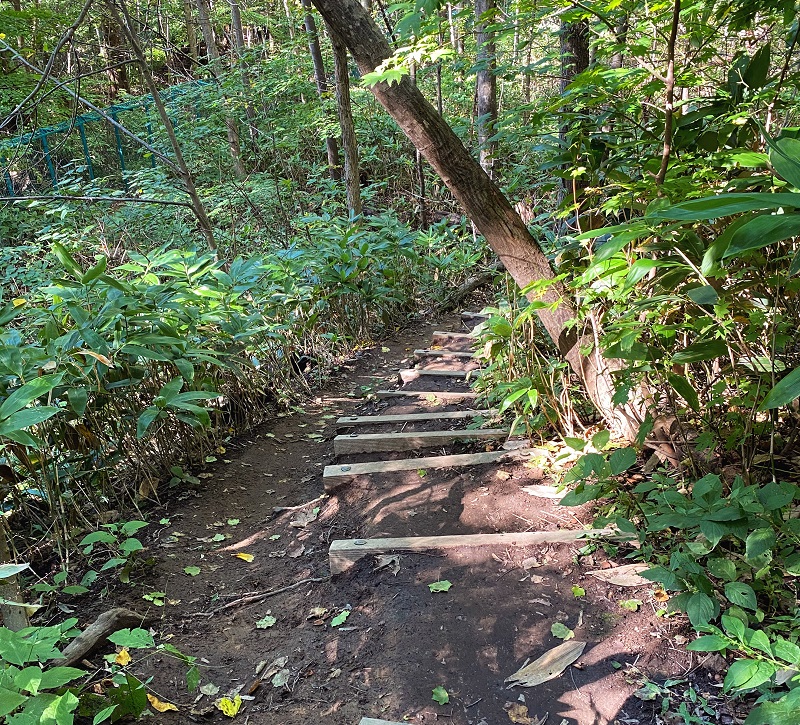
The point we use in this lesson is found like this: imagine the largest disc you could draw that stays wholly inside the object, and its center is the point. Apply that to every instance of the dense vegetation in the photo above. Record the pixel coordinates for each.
(162, 278)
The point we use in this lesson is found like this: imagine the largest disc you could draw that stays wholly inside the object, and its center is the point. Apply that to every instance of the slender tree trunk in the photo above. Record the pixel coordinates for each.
(238, 43)
(289, 19)
(123, 20)
(191, 32)
(669, 101)
(112, 55)
(331, 146)
(349, 140)
(14, 618)
(485, 204)
(419, 167)
(486, 82)
(212, 52)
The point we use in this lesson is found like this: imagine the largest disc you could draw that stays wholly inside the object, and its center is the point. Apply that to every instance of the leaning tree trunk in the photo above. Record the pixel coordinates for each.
(486, 206)
(486, 82)
(349, 140)
(331, 146)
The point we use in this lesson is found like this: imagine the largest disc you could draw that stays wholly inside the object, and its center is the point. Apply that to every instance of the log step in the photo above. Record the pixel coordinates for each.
(342, 554)
(354, 420)
(411, 441)
(440, 337)
(427, 352)
(408, 374)
(372, 721)
(334, 476)
(475, 315)
(425, 394)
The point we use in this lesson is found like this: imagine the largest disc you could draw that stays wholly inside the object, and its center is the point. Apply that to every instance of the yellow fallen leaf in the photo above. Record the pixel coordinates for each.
(123, 657)
(230, 707)
(161, 706)
(245, 557)
(19, 301)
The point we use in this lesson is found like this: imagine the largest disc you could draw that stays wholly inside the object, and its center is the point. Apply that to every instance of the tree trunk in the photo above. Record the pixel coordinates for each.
(484, 204)
(212, 52)
(14, 618)
(486, 82)
(191, 33)
(349, 140)
(113, 55)
(321, 80)
(419, 167)
(238, 44)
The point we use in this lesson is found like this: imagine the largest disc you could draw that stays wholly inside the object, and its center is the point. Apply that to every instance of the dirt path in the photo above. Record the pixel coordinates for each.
(399, 640)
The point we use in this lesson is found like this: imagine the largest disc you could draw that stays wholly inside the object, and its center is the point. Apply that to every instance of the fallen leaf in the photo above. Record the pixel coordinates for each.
(578, 592)
(385, 350)
(304, 518)
(274, 537)
(218, 537)
(530, 563)
(544, 492)
(340, 618)
(440, 586)
(267, 622)
(518, 713)
(440, 695)
(230, 707)
(660, 595)
(632, 605)
(550, 665)
(281, 678)
(623, 576)
(244, 557)
(210, 689)
(233, 522)
(561, 631)
(502, 475)
(421, 472)
(297, 553)
(317, 612)
(123, 657)
(191, 570)
(388, 561)
(159, 706)
(333, 674)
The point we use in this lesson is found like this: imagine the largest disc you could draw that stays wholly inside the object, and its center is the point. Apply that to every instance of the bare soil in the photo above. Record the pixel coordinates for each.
(400, 640)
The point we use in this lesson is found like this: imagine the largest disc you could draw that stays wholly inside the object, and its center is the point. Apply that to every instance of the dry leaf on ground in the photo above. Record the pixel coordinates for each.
(551, 664)
(623, 576)
(156, 704)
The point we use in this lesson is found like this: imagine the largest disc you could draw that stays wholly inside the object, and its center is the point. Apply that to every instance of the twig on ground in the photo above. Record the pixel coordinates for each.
(263, 595)
(283, 509)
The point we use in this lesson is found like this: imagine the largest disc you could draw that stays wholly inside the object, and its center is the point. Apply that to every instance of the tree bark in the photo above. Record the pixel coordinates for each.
(331, 145)
(486, 206)
(344, 108)
(191, 35)
(669, 100)
(113, 55)
(486, 82)
(212, 52)
(238, 44)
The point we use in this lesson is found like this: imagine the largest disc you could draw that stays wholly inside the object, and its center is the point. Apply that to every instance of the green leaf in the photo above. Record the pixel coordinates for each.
(340, 618)
(746, 674)
(758, 542)
(762, 231)
(787, 389)
(9, 570)
(10, 701)
(700, 609)
(560, 630)
(145, 420)
(741, 594)
(621, 460)
(132, 638)
(104, 715)
(578, 592)
(440, 695)
(269, 621)
(600, 439)
(705, 295)
(29, 392)
(191, 570)
(715, 207)
(632, 605)
(784, 155)
(708, 643)
(700, 351)
(759, 640)
(192, 678)
(782, 712)
(720, 567)
(685, 389)
(775, 496)
(440, 586)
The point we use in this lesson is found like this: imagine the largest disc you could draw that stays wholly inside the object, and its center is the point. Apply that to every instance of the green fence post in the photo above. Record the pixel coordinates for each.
(48, 160)
(85, 145)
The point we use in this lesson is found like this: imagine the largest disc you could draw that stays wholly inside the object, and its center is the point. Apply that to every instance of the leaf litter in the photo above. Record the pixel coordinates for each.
(549, 666)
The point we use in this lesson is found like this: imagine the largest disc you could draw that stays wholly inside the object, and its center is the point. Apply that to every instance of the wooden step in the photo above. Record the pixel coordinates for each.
(475, 315)
(425, 394)
(378, 442)
(354, 420)
(427, 352)
(334, 476)
(342, 554)
(440, 337)
(408, 374)
(372, 721)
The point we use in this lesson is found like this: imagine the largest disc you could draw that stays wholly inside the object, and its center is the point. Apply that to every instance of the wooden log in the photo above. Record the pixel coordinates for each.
(440, 337)
(354, 420)
(333, 476)
(427, 352)
(475, 316)
(373, 721)
(411, 441)
(425, 394)
(95, 634)
(342, 554)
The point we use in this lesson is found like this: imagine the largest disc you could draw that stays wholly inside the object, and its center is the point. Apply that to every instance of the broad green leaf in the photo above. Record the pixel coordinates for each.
(685, 389)
(440, 695)
(29, 392)
(741, 594)
(10, 701)
(340, 618)
(191, 570)
(132, 638)
(103, 715)
(705, 295)
(787, 389)
(758, 542)
(700, 351)
(621, 460)
(440, 586)
(784, 155)
(708, 643)
(600, 439)
(715, 207)
(560, 630)
(700, 609)
(9, 570)
(762, 231)
(746, 674)
(267, 621)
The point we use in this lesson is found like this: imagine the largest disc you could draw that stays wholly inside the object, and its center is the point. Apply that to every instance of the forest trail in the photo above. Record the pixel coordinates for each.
(398, 640)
